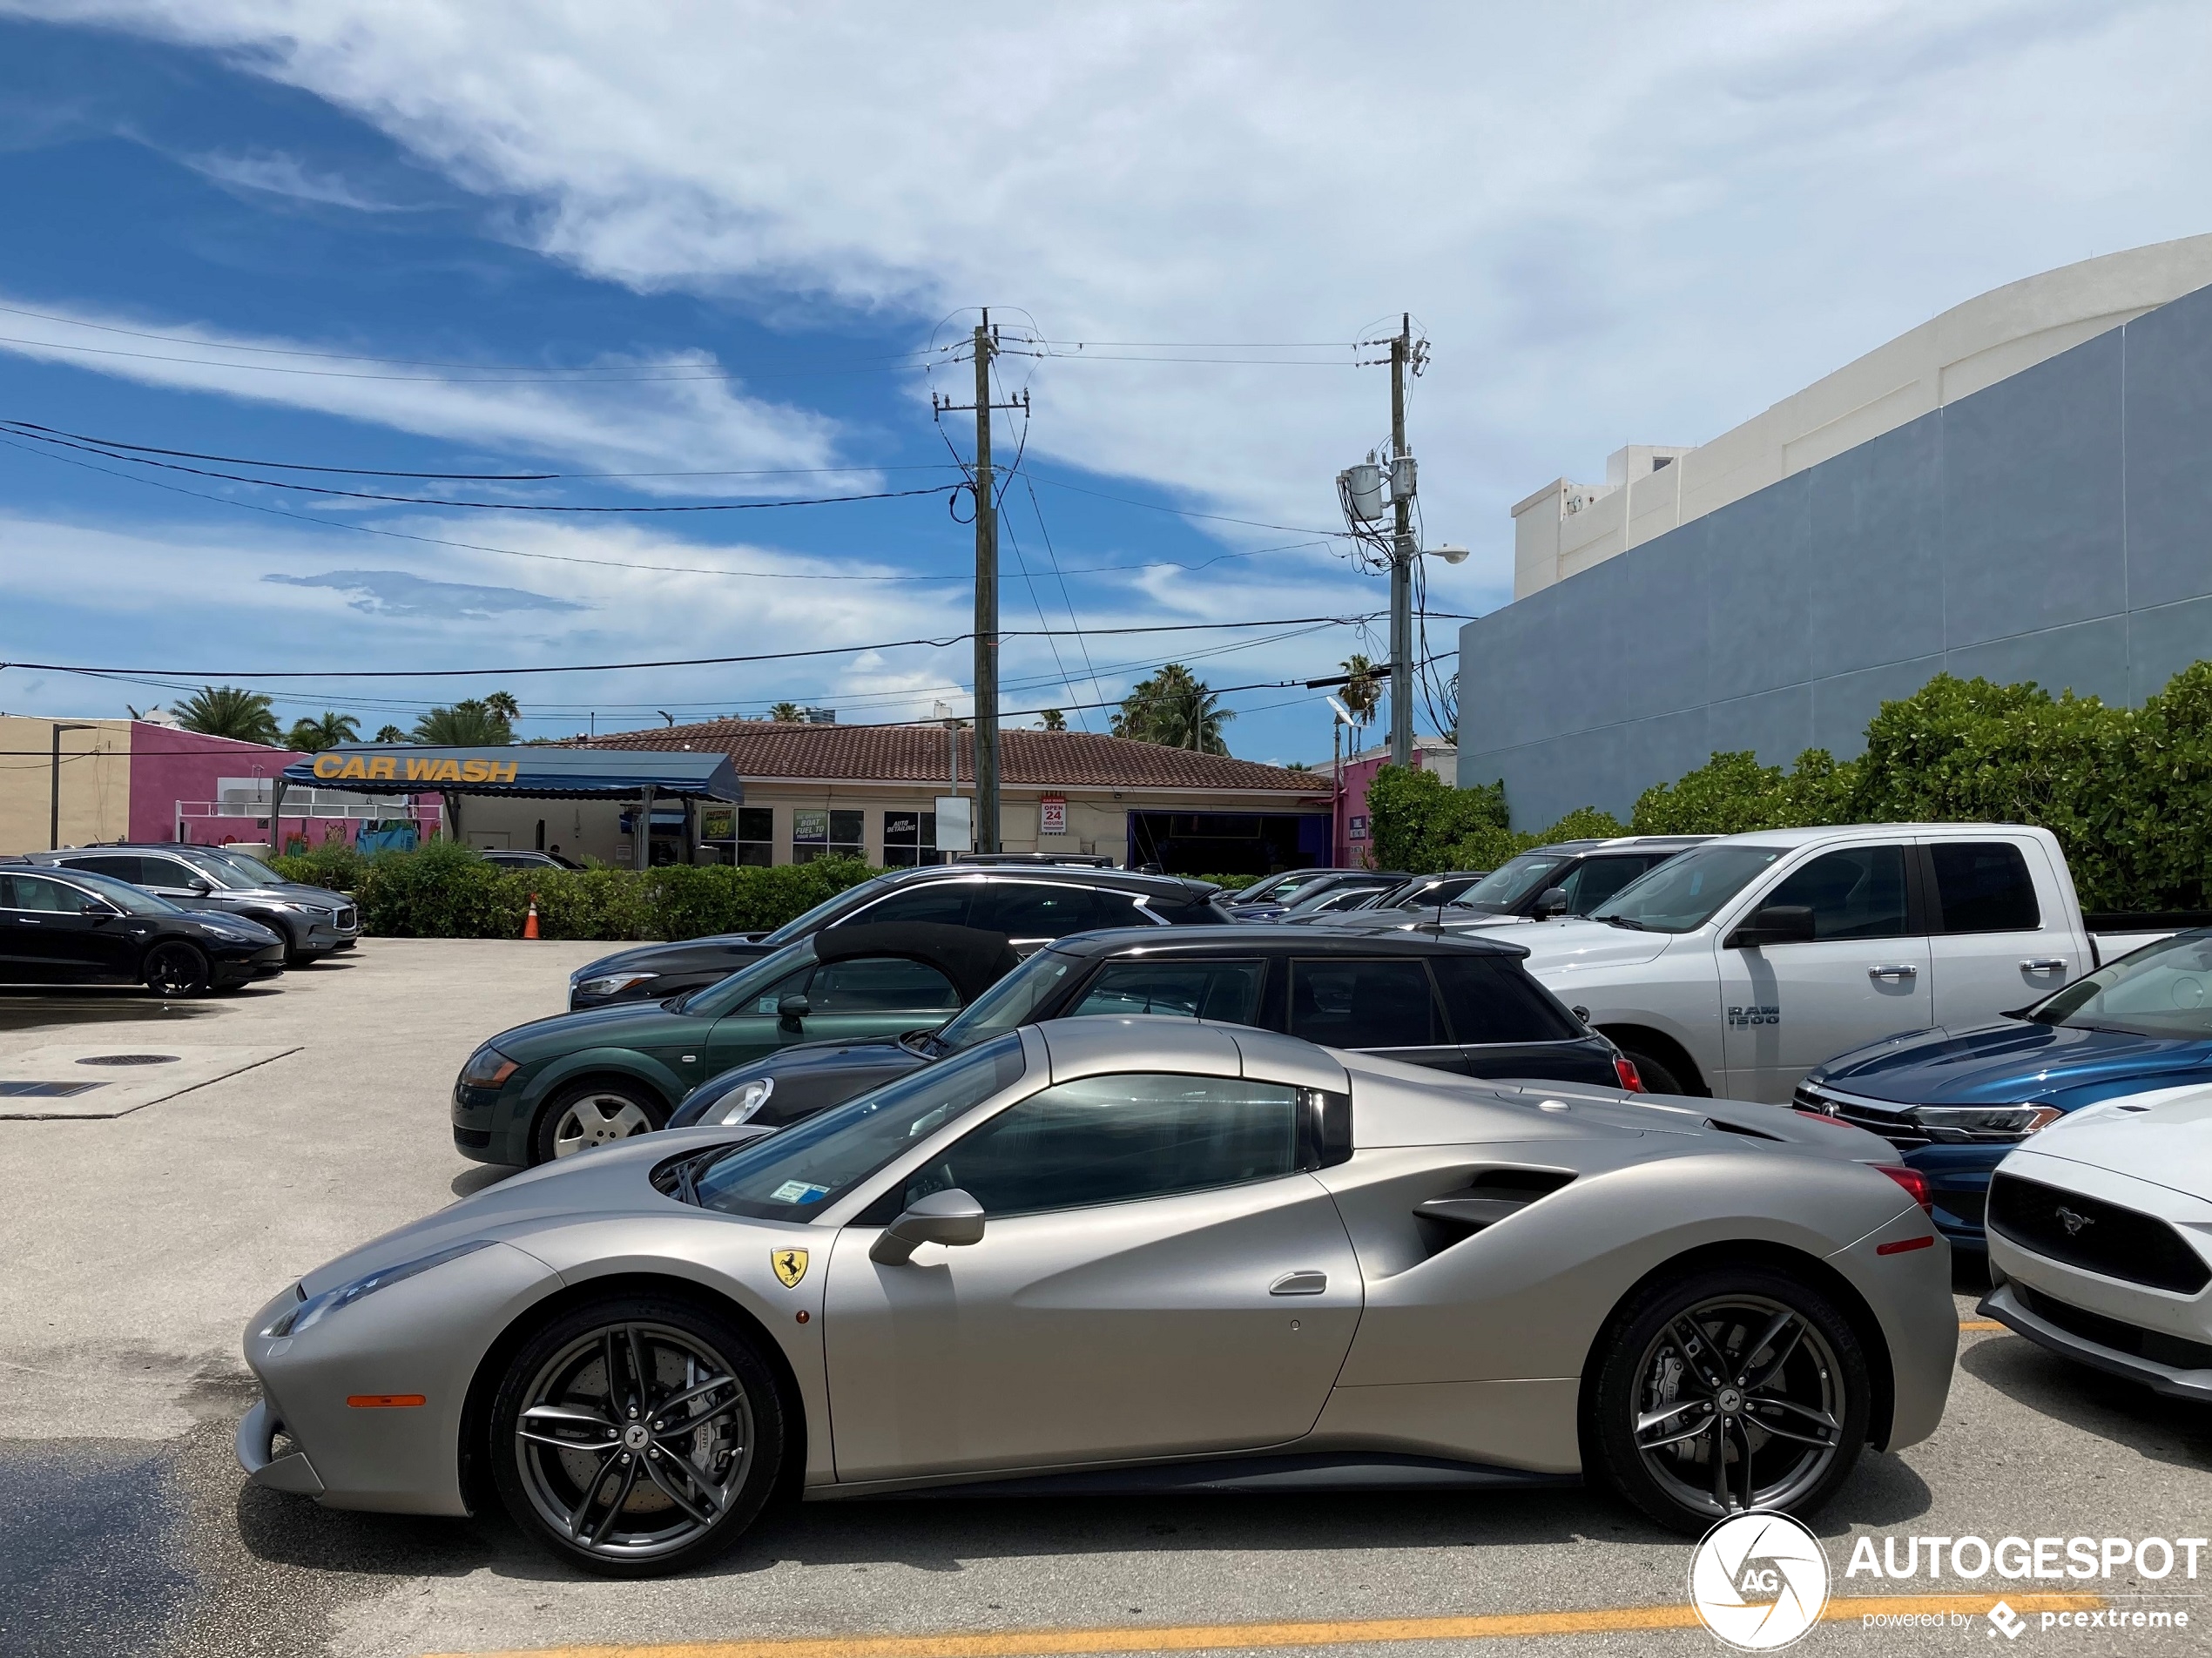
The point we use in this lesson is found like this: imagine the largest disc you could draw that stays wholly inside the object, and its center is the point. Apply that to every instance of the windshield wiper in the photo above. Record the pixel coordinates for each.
(1621, 921)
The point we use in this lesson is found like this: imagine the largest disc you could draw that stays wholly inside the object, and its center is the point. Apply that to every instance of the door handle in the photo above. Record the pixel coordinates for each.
(1307, 1282)
(1905, 971)
(2043, 964)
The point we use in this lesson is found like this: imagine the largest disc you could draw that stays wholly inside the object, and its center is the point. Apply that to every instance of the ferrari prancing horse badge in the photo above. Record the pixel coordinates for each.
(789, 1264)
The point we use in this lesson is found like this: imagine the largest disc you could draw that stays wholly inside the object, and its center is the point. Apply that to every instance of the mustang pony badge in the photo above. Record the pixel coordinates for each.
(789, 1264)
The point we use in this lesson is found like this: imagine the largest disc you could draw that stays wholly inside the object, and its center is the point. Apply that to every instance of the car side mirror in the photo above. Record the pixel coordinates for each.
(1774, 924)
(950, 1217)
(200, 887)
(790, 1010)
(1550, 902)
(98, 911)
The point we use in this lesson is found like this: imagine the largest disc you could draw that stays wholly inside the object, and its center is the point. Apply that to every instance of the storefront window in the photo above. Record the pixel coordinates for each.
(825, 834)
(909, 839)
(756, 842)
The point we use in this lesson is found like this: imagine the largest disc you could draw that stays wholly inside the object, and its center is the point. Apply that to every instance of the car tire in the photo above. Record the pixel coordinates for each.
(591, 1114)
(585, 1465)
(1689, 1370)
(173, 968)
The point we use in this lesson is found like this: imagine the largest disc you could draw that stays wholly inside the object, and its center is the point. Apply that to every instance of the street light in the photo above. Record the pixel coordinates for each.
(54, 784)
(1343, 718)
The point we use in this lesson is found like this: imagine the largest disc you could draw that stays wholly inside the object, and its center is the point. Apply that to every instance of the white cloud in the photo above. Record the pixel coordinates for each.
(677, 413)
(277, 174)
(1618, 222)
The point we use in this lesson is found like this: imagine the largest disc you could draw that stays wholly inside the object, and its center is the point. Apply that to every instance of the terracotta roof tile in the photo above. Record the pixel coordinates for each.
(765, 749)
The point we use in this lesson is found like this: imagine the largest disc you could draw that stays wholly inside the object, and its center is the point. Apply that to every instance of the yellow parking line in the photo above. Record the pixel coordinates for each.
(1981, 1323)
(1045, 1643)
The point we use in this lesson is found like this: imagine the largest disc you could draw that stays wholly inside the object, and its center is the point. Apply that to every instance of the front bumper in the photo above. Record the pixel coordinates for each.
(243, 968)
(491, 1125)
(257, 1455)
(2007, 1305)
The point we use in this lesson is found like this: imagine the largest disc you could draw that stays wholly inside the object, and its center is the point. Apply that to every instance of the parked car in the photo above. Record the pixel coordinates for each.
(1462, 1005)
(312, 921)
(1278, 888)
(1955, 1101)
(1245, 908)
(1415, 893)
(507, 858)
(2100, 1240)
(68, 927)
(580, 1079)
(1031, 903)
(1736, 967)
(1147, 1253)
(1567, 877)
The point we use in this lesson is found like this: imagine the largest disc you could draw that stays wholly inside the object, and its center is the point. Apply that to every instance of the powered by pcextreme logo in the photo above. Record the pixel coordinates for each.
(1759, 1582)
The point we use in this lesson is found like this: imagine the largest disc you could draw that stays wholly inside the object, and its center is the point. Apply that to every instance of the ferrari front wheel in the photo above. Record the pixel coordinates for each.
(1728, 1390)
(636, 1436)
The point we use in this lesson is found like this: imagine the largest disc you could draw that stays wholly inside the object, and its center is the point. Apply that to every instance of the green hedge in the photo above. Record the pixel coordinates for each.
(445, 891)
(2127, 790)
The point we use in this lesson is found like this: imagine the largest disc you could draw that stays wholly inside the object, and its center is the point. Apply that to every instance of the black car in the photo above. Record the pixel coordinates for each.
(1467, 1006)
(312, 921)
(506, 857)
(1567, 877)
(72, 927)
(1032, 904)
(1281, 900)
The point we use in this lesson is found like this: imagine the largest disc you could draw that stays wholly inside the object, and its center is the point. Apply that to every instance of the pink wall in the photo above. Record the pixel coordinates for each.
(167, 766)
(1351, 853)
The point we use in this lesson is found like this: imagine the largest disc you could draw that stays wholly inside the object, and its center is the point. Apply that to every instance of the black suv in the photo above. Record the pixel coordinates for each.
(1467, 1006)
(1031, 903)
(60, 926)
(312, 921)
(1567, 877)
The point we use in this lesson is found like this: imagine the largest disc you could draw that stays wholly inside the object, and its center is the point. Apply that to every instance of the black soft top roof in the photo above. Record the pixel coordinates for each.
(972, 959)
(1245, 937)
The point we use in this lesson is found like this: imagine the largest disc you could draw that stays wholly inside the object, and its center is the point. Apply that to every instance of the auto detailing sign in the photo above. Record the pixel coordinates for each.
(394, 768)
(1052, 814)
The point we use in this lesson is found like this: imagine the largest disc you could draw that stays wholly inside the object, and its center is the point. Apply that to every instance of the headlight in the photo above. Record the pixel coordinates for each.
(486, 1067)
(742, 1104)
(309, 1313)
(1982, 1124)
(612, 984)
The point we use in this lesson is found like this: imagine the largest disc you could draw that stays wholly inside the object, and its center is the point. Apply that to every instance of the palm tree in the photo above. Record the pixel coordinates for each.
(312, 736)
(1053, 720)
(1362, 692)
(787, 713)
(502, 704)
(226, 711)
(390, 734)
(467, 723)
(1174, 709)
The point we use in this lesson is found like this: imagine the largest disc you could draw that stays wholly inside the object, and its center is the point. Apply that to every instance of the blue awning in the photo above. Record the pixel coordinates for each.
(524, 769)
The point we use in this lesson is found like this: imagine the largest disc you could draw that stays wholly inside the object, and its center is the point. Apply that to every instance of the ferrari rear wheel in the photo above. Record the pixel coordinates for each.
(1733, 1389)
(636, 1436)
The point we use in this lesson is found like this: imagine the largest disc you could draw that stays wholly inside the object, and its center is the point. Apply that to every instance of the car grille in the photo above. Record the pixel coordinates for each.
(2121, 1337)
(476, 1139)
(1892, 1126)
(2105, 1238)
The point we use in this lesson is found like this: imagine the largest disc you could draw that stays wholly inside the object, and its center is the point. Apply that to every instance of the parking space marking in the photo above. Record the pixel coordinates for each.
(1981, 1323)
(1232, 1637)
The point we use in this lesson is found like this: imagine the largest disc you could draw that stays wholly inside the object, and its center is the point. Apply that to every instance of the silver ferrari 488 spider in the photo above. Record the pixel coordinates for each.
(1126, 1254)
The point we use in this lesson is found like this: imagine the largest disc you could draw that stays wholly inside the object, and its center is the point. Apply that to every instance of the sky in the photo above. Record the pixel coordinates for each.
(702, 258)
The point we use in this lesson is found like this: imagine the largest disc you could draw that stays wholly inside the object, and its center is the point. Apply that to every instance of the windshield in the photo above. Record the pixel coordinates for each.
(791, 1173)
(2163, 989)
(1280, 889)
(756, 978)
(806, 926)
(1512, 883)
(131, 900)
(1681, 894)
(253, 868)
(1007, 1003)
(221, 871)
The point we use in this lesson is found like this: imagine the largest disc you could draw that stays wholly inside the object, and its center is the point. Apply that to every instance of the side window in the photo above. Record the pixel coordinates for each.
(879, 984)
(1111, 906)
(1034, 909)
(1984, 886)
(792, 984)
(1228, 991)
(1112, 1139)
(1598, 878)
(1490, 999)
(944, 902)
(44, 895)
(121, 865)
(1365, 1004)
(1856, 893)
(167, 872)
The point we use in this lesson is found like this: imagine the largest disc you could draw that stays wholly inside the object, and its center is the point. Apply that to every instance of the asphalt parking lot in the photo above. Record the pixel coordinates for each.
(136, 1245)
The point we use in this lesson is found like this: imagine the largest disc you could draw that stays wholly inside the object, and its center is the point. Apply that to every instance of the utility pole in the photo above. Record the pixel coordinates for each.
(986, 587)
(1402, 554)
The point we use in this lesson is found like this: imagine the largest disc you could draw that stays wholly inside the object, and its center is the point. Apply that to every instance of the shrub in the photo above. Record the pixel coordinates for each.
(1417, 823)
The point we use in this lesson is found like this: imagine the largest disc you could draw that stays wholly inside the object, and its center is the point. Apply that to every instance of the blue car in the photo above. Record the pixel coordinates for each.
(1954, 1102)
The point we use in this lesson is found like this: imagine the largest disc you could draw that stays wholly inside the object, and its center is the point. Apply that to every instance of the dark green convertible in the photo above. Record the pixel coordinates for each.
(579, 1080)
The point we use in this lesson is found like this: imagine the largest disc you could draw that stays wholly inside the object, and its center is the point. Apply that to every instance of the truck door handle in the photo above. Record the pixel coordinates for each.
(2043, 964)
(1907, 971)
(1308, 1283)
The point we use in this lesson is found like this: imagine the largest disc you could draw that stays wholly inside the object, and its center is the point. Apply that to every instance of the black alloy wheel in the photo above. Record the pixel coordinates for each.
(1734, 1389)
(174, 968)
(636, 1436)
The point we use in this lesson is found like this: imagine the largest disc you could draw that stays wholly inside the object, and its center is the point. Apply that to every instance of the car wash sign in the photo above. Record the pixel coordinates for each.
(424, 773)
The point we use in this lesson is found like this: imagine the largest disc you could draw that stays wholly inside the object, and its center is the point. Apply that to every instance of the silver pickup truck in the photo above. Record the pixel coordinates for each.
(1735, 968)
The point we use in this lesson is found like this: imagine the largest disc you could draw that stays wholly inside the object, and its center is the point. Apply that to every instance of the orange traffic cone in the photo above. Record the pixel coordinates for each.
(529, 921)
